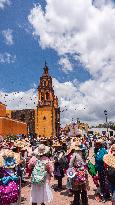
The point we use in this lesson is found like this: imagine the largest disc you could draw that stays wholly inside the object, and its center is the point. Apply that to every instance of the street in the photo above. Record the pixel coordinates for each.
(62, 198)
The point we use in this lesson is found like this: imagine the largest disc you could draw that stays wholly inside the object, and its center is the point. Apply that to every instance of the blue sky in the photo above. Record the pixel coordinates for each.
(76, 39)
(30, 57)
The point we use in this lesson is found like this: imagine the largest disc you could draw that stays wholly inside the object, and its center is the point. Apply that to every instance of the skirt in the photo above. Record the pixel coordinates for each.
(41, 193)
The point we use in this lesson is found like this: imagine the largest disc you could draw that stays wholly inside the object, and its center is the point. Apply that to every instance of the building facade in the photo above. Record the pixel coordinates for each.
(9, 126)
(27, 116)
(2, 110)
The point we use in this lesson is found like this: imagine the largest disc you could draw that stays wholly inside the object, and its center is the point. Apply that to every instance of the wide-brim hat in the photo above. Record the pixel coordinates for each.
(109, 159)
(24, 148)
(57, 144)
(70, 149)
(71, 172)
(9, 154)
(77, 148)
(1, 162)
(26, 139)
(41, 150)
(19, 144)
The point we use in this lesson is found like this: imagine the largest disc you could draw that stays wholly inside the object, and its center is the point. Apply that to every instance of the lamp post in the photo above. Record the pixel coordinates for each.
(106, 117)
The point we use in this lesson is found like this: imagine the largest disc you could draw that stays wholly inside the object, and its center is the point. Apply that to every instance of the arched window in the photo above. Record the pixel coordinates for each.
(44, 83)
(42, 96)
(47, 96)
(47, 82)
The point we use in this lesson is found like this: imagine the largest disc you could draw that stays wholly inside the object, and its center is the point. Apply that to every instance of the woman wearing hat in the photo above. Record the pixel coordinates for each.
(100, 151)
(40, 190)
(78, 178)
(109, 160)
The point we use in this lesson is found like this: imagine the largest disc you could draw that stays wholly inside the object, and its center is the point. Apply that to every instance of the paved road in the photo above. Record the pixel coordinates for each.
(62, 198)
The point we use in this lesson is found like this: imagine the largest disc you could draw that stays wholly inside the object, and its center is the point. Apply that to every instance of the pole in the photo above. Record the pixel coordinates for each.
(107, 123)
(106, 117)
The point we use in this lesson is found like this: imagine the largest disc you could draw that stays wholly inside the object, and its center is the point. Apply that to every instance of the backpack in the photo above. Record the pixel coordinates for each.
(111, 175)
(91, 169)
(80, 178)
(39, 173)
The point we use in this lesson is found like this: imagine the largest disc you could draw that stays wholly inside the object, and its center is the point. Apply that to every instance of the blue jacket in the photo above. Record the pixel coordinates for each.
(99, 163)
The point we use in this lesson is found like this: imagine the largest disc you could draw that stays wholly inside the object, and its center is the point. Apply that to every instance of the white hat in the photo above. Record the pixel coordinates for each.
(41, 150)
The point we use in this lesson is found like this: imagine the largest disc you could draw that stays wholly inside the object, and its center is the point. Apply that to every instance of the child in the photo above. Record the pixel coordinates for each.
(58, 172)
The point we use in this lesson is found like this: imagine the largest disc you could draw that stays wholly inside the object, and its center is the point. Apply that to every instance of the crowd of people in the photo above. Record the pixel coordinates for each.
(40, 160)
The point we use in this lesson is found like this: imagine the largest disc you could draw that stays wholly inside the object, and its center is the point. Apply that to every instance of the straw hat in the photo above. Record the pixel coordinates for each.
(26, 139)
(24, 148)
(109, 159)
(19, 144)
(9, 159)
(41, 150)
(57, 144)
(1, 162)
(77, 148)
(70, 149)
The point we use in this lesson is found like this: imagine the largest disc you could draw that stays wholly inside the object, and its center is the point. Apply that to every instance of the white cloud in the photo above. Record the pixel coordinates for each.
(3, 3)
(85, 31)
(77, 27)
(19, 100)
(8, 36)
(66, 65)
(87, 102)
(7, 58)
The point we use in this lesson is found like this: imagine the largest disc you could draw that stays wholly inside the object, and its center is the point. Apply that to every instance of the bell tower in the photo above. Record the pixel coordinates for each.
(45, 89)
(48, 113)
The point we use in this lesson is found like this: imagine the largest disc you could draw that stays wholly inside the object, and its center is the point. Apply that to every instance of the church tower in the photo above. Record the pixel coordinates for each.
(48, 112)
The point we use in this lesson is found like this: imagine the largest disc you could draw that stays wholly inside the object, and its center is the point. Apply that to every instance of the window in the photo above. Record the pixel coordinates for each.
(47, 83)
(47, 96)
(44, 83)
(42, 96)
